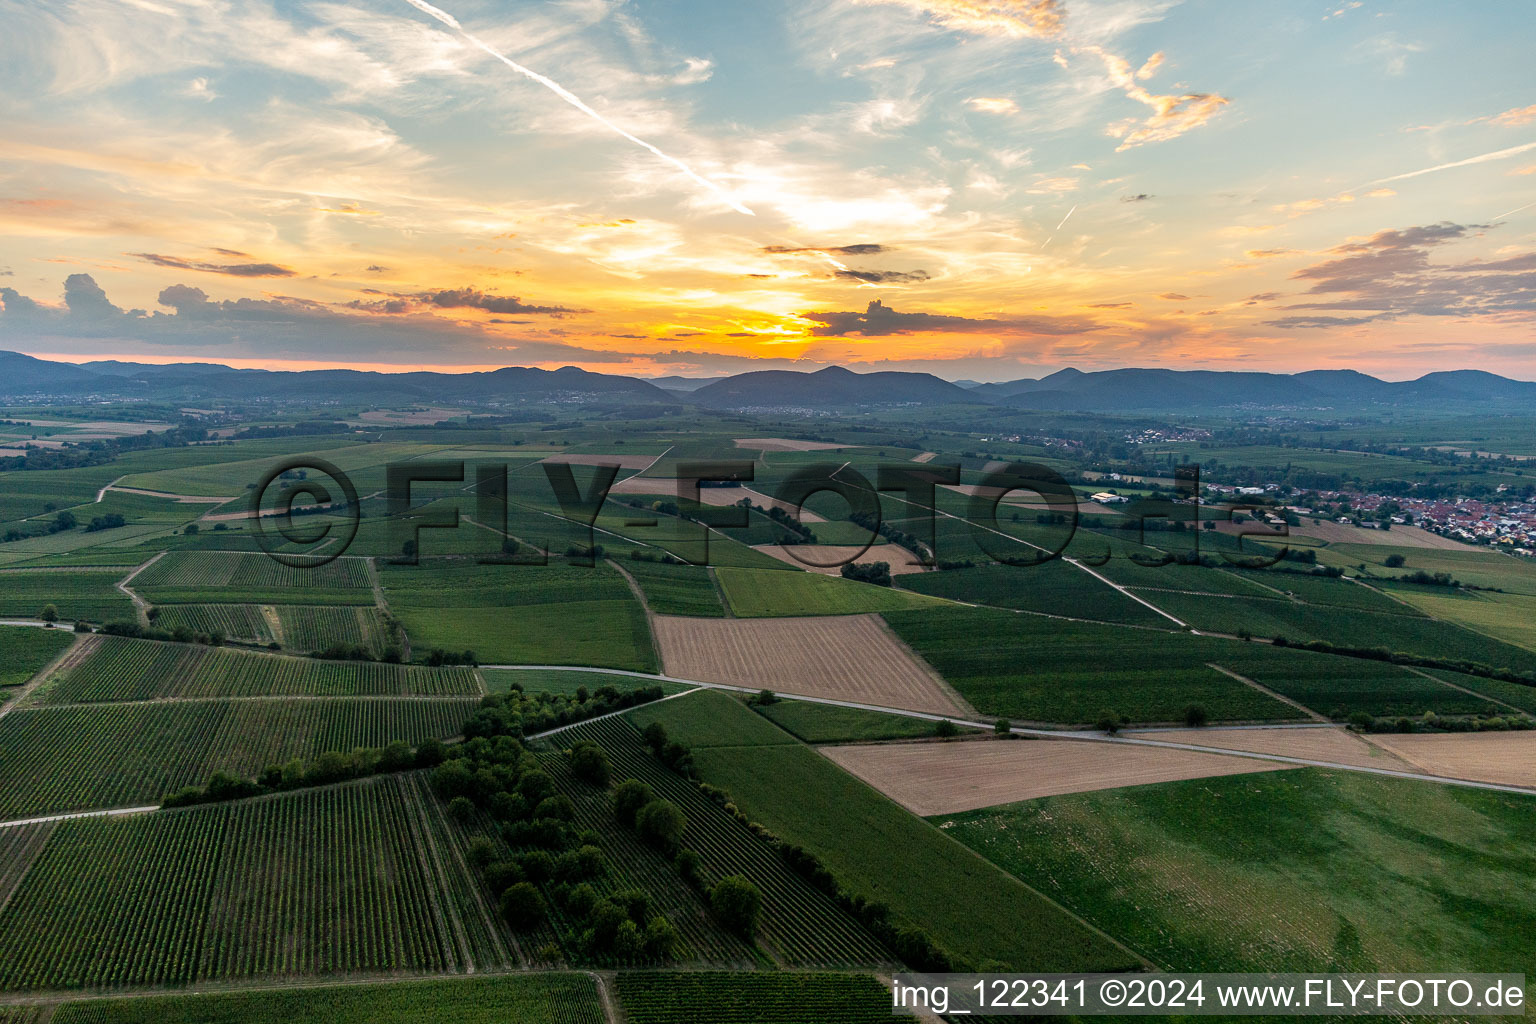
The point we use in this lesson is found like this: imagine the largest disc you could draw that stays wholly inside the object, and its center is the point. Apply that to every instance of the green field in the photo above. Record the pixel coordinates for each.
(258, 888)
(1304, 870)
(703, 997)
(1336, 687)
(676, 589)
(1034, 669)
(89, 594)
(244, 622)
(879, 851)
(84, 757)
(826, 723)
(1054, 588)
(24, 650)
(758, 593)
(1506, 617)
(213, 577)
(536, 615)
(117, 669)
(547, 998)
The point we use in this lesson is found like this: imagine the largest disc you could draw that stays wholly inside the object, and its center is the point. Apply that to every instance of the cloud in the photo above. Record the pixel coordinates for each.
(1149, 69)
(1389, 275)
(859, 249)
(1038, 19)
(1171, 116)
(85, 298)
(1518, 116)
(1110, 305)
(469, 298)
(882, 276)
(1139, 197)
(992, 105)
(1174, 297)
(1269, 254)
(1525, 170)
(1052, 186)
(232, 269)
(880, 320)
(1498, 154)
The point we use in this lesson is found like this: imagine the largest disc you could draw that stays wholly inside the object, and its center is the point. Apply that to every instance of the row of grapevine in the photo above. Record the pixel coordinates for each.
(656, 997)
(120, 669)
(233, 621)
(308, 628)
(81, 757)
(89, 594)
(319, 882)
(543, 998)
(220, 570)
(800, 924)
(19, 846)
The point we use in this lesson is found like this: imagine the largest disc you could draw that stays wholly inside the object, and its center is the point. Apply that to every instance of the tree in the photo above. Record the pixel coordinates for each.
(661, 939)
(1002, 727)
(481, 851)
(589, 763)
(767, 697)
(946, 729)
(462, 808)
(655, 736)
(661, 824)
(1395, 562)
(1108, 722)
(1195, 716)
(50, 613)
(629, 798)
(522, 906)
(736, 904)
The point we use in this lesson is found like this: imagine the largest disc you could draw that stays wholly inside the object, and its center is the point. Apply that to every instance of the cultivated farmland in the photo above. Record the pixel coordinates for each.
(698, 997)
(92, 756)
(24, 650)
(757, 593)
(89, 594)
(1508, 758)
(215, 577)
(274, 888)
(118, 669)
(847, 657)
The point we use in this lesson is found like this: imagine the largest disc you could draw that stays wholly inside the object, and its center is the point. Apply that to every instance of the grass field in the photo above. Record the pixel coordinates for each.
(214, 577)
(758, 593)
(676, 589)
(61, 759)
(117, 669)
(881, 852)
(538, 615)
(1033, 669)
(1336, 687)
(89, 594)
(826, 723)
(702, 997)
(511, 999)
(1474, 566)
(1506, 617)
(259, 888)
(24, 650)
(1303, 870)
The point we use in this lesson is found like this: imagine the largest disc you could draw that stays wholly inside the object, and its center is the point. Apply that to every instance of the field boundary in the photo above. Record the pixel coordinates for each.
(1282, 698)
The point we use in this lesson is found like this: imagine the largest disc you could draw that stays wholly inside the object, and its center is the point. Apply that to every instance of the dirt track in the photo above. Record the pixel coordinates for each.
(943, 778)
(1508, 758)
(843, 657)
(1318, 744)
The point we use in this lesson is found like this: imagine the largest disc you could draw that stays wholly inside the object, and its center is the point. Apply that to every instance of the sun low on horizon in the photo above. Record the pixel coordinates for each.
(984, 189)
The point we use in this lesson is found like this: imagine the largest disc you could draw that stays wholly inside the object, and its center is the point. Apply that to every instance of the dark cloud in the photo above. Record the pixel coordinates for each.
(85, 298)
(7, 272)
(882, 276)
(859, 249)
(376, 269)
(1174, 297)
(879, 320)
(1110, 305)
(1389, 276)
(1294, 322)
(18, 305)
(232, 269)
(469, 298)
(1139, 197)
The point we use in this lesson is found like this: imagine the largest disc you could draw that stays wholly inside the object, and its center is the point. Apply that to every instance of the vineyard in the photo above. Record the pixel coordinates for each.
(306, 628)
(197, 577)
(25, 650)
(19, 845)
(232, 621)
(119, 669)
(512, 999)
(78, 758)
(801, 925)
(89, 594)
(702, 997)
(341, 880)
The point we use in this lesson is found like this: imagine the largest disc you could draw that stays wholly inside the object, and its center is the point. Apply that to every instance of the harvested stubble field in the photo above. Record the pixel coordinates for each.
(846, 657)
(786, 444)
(1508, 758)
(117, 669)
(946, 778)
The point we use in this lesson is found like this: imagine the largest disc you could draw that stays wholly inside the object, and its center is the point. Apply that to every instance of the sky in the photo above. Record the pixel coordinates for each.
(981, 189)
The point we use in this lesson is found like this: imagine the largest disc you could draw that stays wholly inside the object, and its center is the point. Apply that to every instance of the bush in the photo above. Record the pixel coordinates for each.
(1109, 722)
(50, 613)
(1002, 727)
(462, 808)
(629, 798)
(481, 851)
(1395, 561)
(1363, 721)
(661, 824)
(946, 729)
(736, 903)
(522, 906)
(1195, 716)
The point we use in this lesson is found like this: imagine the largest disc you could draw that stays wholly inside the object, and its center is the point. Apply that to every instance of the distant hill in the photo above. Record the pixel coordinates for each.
(832, 388)
(1166, 390)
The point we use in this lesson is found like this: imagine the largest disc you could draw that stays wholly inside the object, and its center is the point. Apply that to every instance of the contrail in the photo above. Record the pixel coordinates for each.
(1485, 158)
(575, 101)
(1053, 233)
(1516, 210)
